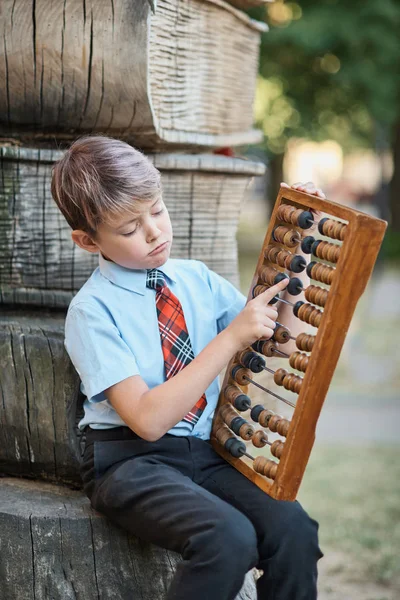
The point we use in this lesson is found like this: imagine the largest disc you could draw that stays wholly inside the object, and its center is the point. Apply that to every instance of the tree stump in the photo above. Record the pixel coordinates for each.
(41, 266)
(183, 77)
(40, 401)
(53, 545)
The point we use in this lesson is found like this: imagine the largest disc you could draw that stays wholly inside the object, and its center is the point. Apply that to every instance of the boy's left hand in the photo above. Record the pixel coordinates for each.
(308, 188)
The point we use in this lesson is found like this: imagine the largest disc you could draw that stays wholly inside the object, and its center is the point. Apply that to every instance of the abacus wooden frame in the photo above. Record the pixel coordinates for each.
(359, 250)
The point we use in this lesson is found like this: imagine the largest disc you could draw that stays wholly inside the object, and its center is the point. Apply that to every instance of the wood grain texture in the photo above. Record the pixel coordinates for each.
(40, 401)
(163, 79)
(358, 253)
(39, 263)
(54, 545)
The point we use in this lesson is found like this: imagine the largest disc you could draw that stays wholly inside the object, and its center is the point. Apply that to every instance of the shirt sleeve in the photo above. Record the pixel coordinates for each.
(95, 346)
(228, 300)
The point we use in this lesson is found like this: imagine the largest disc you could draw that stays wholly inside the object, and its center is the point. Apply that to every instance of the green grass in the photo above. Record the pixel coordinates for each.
(354, 494)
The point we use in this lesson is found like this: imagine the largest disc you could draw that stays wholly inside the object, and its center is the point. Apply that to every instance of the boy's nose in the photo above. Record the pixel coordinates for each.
(153, 232)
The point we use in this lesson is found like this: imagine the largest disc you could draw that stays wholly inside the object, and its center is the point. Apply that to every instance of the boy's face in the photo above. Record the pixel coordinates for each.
(133, 243)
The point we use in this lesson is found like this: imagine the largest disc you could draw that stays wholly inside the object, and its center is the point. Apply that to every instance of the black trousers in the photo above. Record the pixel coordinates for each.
(178, 493)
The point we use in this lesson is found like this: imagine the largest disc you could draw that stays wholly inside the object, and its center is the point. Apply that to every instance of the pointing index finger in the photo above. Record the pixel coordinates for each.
(270, 292)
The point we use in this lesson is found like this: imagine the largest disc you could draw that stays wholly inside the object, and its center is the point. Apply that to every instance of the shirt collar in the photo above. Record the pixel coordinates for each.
(132, 279)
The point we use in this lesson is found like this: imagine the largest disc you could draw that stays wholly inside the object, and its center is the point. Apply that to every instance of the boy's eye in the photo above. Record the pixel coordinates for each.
(130, 233)
(154, 215)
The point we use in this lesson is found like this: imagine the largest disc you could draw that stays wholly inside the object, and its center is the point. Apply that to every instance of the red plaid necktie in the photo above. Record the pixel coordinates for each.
(175, 341)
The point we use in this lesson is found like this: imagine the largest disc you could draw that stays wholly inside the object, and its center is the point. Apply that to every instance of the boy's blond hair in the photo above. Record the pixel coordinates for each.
(100, 179)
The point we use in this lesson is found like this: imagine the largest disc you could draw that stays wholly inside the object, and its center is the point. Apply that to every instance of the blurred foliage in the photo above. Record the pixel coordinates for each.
(329, 69)
(391, 246)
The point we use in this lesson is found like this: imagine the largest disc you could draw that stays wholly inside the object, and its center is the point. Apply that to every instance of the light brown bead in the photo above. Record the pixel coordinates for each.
(268, 348)
(266, 467)
(241, 374)
(278, 424)
(322, 273)
(231, 392)
(334, 229)
(259, 289)
(316, 295)
(289, 381)
(273, 422)
(305, 341)
(289, 214)
(264, 417)
(287, 236)
(299, 361)
(281, 334)
(228, 414)
(259, 439)
(267, 275)
(328, 251)
(277, 448)
(279, 256)
(222, 433)
(309, 314)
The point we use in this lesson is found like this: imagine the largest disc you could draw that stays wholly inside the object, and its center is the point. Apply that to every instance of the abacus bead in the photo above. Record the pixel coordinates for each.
(235, 447)
(266, 467)
(265, 418)
(305, 219)
(305, 341)
(268, 349)
(295, 286)
(283, 427)
(273, 422)
(236, 422)
(281, 334)
(279, 376)
(236, 397)
(307, 243)
(284, 235)
(277, 448)
(258, 289)
(251, 360)
(259, 439)
(297, 264)
(298, 361)
(246, 431)
(316, 295)
(239, 373)
(256, 411)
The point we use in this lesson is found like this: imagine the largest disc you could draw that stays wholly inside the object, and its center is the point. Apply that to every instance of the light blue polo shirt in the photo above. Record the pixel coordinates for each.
(111, 332)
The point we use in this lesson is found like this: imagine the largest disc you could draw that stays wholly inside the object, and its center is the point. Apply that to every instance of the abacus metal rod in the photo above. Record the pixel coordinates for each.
(285, 301)
(269, 391)
(280, 352)
(248, 455)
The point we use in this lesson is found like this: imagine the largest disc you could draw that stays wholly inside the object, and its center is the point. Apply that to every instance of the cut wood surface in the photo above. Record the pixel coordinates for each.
(39, 263)
(40, 402)
(54, 545)
(183, 76)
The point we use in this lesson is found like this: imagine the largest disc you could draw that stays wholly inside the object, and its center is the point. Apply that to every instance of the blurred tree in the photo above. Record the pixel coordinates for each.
(331, 69)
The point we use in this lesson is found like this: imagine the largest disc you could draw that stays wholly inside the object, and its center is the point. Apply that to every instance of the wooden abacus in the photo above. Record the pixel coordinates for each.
(344, 280)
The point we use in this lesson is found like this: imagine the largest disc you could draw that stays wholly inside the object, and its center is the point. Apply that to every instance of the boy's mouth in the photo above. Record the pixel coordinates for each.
(159, 248)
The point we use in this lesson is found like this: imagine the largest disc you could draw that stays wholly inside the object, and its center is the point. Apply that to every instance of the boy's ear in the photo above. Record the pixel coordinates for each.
(84, 241)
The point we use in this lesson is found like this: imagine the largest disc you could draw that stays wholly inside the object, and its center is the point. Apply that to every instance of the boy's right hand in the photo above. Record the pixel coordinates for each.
(258, 318)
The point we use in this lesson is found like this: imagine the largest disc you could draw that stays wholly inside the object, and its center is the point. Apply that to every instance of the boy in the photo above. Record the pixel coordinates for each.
(139, 319)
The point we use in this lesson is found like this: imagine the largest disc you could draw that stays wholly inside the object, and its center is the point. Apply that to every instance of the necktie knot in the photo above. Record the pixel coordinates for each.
(155, 279)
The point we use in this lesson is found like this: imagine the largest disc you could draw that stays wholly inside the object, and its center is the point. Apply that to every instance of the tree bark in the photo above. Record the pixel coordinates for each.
(53, 545)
